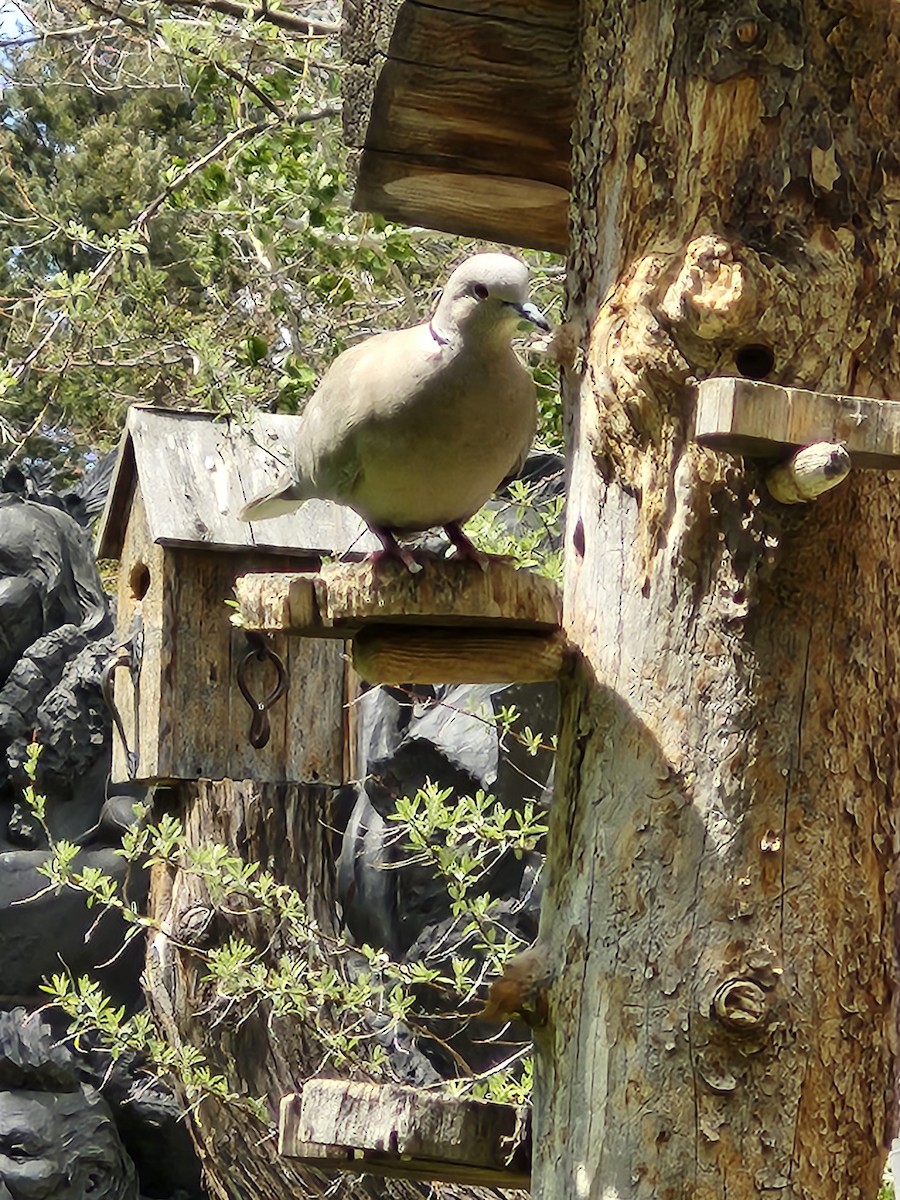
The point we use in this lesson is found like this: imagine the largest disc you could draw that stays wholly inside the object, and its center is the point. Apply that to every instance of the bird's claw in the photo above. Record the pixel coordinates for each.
(465, 549)
(391, 549)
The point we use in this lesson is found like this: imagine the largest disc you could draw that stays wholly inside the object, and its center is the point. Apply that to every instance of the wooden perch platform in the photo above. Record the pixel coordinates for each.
(451, 623)
(404, 1133)
(766, 420)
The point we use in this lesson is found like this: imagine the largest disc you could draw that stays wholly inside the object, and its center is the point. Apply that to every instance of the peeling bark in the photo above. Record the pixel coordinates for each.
(721, 874)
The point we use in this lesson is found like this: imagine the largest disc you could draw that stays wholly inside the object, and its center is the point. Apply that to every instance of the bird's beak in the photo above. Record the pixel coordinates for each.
(531, 313)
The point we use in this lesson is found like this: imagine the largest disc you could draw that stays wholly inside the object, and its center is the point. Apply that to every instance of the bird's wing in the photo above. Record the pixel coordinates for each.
(366, 385)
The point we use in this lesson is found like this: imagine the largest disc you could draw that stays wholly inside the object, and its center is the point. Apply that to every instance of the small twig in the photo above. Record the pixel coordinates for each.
(284, 20)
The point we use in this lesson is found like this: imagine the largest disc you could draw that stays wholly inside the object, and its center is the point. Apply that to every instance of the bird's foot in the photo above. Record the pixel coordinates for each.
(465, 549)
(391, 549)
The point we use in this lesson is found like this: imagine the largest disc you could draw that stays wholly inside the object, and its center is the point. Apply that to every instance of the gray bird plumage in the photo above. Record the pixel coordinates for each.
(416, 428)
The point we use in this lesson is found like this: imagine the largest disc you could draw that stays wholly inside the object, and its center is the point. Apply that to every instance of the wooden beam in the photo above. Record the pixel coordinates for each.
(500, 50)
(459, 197)
(343, 598)
(395, 655)
(464, 111)
(766, 420)
(388, 1130)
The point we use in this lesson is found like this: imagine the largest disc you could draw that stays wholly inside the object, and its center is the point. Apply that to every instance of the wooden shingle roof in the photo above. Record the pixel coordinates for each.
(196, 470)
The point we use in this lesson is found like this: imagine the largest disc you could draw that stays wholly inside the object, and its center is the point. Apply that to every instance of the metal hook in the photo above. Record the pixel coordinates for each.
(124, 658)
(261, 651)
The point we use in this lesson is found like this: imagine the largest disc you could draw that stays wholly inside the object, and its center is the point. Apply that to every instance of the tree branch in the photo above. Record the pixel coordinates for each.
(235, 8)
(141, 221)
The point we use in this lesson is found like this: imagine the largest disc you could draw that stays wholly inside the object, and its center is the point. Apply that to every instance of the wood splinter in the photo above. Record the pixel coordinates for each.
(810, 472)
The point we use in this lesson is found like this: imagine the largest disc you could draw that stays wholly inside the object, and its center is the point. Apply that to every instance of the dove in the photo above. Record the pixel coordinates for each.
(416, 428)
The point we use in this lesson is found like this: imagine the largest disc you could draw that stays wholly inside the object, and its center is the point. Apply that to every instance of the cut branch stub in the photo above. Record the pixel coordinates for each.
(740, 1005)
(810, 472)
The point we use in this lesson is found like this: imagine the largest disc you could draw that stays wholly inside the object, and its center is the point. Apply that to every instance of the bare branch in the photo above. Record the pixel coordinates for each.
(262, 12)
(235, 8)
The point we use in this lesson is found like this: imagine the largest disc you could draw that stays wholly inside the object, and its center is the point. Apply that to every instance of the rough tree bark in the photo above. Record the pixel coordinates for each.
(720, 905)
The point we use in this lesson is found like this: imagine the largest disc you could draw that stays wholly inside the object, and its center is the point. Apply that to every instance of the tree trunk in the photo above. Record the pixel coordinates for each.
(721, 878)
(286, 828)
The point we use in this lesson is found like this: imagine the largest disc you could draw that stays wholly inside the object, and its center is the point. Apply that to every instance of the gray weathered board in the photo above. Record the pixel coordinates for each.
(767, 420)
(403, 1132)
(198, 470)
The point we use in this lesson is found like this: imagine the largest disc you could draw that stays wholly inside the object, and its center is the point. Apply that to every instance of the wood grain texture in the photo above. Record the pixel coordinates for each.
(382, 1127)
(725, 817)
(413, 655)
(183, 714)
(461, 93)
(747, 417)
(458, 197)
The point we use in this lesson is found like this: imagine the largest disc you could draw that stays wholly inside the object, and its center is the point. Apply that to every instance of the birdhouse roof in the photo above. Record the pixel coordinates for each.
(461, 112)
(196, 470)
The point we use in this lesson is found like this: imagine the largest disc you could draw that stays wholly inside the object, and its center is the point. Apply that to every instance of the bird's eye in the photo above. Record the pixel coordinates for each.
(480, 291)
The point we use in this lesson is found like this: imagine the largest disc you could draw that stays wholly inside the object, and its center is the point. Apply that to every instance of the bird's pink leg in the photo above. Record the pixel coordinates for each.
(464, 548)
(391, 548)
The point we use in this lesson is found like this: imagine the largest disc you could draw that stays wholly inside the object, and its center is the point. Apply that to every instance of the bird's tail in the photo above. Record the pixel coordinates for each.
(284, 498)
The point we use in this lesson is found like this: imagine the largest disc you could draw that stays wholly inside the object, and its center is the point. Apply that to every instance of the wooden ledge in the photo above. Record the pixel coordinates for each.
(343, 598)
(451, 623)
(402, 1132)
(743, 416)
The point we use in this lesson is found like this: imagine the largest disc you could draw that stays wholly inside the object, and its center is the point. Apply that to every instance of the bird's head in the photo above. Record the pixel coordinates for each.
(486, 296)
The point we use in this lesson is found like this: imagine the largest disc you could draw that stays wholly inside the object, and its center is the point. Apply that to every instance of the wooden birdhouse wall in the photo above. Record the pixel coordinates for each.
(183, 713)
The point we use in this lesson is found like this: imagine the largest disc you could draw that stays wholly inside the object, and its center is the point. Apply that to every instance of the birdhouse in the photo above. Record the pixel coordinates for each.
(193, 696)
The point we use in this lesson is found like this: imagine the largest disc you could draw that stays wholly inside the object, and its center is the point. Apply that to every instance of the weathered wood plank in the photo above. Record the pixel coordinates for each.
(273, 601)
(459, 197)
(513, 127)
(765, 419)
(390, 1130)
(553, 14)
(501, 49)
(342, 598)
(198, 470)
(447, 591)
(465, 113)
(414, 655)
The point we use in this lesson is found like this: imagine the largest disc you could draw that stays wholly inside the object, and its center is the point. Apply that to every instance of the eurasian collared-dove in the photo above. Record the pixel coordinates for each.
(416, 428)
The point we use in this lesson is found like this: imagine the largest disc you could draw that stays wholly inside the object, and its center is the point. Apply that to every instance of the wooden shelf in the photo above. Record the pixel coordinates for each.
(452, 622)
(402, 1132)
(766, 420)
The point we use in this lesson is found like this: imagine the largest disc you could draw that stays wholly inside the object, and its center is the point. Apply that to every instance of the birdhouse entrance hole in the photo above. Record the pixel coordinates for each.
(139, 580)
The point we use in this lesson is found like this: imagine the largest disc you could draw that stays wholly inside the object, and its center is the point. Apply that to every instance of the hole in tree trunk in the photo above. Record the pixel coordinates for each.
(754, 361)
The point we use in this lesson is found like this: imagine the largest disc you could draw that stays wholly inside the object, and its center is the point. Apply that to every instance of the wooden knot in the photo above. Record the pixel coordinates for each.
(522, 989)
(740, 1004)
(813, 470)
(748, 33)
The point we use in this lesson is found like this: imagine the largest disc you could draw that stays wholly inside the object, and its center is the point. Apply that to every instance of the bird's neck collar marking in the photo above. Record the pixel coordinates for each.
(438, 337)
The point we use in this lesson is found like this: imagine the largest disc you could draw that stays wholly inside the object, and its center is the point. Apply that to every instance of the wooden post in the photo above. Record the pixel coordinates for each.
(721, 877)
